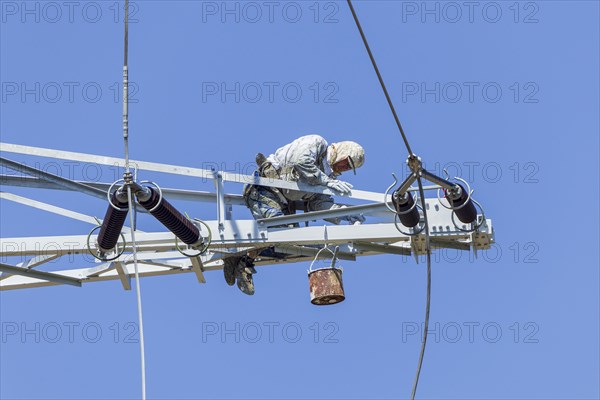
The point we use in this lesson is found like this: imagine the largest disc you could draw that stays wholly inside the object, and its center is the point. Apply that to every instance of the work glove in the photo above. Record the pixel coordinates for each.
(340, 186)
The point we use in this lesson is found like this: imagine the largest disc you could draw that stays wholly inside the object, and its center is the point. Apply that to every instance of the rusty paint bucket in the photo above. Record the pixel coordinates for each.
(326, 286)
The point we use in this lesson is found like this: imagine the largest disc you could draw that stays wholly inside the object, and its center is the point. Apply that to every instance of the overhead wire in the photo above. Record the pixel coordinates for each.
(421, 192)
(381, 82)
(130, 197)
(428, 296)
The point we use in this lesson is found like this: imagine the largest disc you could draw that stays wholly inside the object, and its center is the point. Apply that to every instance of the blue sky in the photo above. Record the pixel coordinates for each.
(504, 94)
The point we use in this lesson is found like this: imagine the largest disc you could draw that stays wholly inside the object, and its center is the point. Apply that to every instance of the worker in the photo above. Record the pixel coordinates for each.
(308, 159)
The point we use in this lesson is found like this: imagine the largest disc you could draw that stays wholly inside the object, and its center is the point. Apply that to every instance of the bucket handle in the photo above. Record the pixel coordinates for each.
(333, 259)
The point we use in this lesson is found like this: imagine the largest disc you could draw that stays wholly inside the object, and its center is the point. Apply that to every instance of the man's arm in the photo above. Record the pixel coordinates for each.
(309, 154)
(308, 171)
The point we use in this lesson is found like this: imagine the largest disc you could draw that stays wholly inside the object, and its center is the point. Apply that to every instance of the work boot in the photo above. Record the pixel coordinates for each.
(245, 282)
(244, 271)
(229, 269)
(247, 264)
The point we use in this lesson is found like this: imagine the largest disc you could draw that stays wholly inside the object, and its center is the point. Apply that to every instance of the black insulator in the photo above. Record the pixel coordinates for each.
(172, 219)
(403, 204)
(467, 213)
(112, 225)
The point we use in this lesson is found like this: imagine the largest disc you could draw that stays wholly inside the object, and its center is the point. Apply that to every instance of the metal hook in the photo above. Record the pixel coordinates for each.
(447, 174)
(387, 192)
(334, 256)
(474, 226)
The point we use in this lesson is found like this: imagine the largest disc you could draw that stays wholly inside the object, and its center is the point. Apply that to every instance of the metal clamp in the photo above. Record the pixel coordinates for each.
(108, 195)
(469, 193)
(160, 194)
(119, 253)
(206, 244)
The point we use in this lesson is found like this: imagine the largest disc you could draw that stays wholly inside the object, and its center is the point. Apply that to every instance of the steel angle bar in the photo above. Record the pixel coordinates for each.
(382, 248)
(207, 197)
(449, 244)
(47, 276)
(37, 261)
(312, 252)
(99, 270)
(32, 263)
(168, 264)
(337, 234)
(123, 276)
(439, 215)
(198, 268)
(159, 264)
(46, 176)
(187, 171)
(48, 207)
(169, 259)
(22, 282)
(29, 181)
(221, 209)
(324, 214)
(104, 160)
(171, 194)
(150, 255)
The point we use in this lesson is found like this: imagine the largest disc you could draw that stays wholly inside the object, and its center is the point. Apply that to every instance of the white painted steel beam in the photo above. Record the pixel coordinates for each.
(59, 180)
(187, 171)
(381, 248)
(49, 208)
(243, 233)
(171, 194)
(52, 277)
(198, 268)
(312, 252)
(32, 263)
(123, 276)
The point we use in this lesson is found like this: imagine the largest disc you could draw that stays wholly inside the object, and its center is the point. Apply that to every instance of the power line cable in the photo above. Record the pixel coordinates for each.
(385, 91)
(421, 195)
(129, 194)
(428, 300)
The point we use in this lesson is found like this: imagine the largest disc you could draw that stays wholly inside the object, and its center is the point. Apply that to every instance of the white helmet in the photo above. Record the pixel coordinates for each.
(345, 156)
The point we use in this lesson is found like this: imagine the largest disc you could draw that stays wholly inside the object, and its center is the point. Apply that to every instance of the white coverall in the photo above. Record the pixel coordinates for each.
(307, 159)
